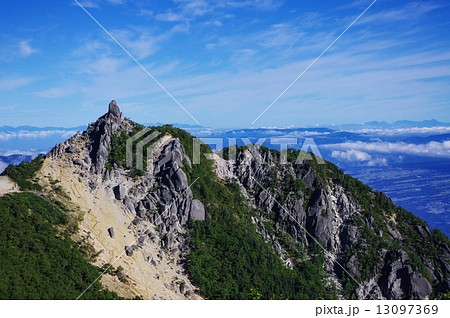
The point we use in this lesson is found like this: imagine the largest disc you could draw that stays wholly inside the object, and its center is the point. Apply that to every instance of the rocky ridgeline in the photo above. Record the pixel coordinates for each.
(163, 198)
(328, 214)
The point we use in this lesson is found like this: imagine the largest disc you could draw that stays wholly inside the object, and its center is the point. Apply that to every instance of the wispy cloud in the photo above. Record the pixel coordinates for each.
(190, 10)
(410, 12)
(359, 156)
(406, 131)
(56, 92)
(91, 4)
(7, 84)
(25, 48)
(170, 16)
(431, 149)
(11, 152)
(351, 155)
(4, 136)
(117, 2)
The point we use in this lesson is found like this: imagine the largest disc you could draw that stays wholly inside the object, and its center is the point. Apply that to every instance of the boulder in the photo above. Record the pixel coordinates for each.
(180, 180)
(151, 235)
(140, 210)
(78, 162)
(129, 250)
(72, 149)
(130, 207)
(120, 192)
(189, 294)
(111, 232)
(197, 211)
(141, 241)
(420, 286)
(169, 240)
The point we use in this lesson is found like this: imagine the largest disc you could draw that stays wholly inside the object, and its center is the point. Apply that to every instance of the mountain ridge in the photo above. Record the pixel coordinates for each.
(185, 217)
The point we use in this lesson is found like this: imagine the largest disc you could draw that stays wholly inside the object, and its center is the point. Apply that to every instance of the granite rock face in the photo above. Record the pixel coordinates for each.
(324, 214)
(197, 211)
(100, 134)
(114, 109)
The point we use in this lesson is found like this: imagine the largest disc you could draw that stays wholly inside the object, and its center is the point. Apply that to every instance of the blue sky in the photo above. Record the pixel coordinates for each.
(224, 61)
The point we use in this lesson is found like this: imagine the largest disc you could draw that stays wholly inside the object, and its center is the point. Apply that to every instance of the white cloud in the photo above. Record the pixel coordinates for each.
(431, 149)
(257, 4)
(7, 84)
(409, 12)
(381, 162)
(189, 10)
(359, 156)
(141, 43)
(87, 4)
(280, 35)
(436, 208)
(4, 136)
(25, 48)
(351, 155)
(103, 65)
(117, 2)
(56, 92)
(406, 131)
(11, 152)
(170, 16)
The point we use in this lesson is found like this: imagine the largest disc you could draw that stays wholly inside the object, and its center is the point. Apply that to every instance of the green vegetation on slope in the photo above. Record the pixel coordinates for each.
(24, 172)
(379, 208)
(38, 260)
(229, 260)
(117, 153)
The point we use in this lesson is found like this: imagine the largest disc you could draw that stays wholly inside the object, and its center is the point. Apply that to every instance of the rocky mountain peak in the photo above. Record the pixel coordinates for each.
(114, 109)
(101, 132)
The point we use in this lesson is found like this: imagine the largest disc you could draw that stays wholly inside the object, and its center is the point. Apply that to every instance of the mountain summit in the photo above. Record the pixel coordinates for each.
(237, 226)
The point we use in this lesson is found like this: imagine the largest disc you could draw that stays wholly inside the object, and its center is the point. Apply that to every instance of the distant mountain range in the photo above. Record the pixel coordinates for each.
(33, 128)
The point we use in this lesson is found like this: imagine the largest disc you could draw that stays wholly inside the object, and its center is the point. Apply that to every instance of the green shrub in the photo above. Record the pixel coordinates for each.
(38, 261)
(24, 172)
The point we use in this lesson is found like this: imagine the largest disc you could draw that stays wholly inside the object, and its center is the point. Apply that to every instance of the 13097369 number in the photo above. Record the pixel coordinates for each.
(407, 309)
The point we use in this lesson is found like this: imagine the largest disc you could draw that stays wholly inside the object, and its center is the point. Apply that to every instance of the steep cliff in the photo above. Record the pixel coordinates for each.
(373, 249)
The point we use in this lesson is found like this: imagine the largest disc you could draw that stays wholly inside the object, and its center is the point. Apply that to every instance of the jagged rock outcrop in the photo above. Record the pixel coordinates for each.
(325, 213)
(159, 202)
(399, 281)
(114, 109)
(100, 134)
